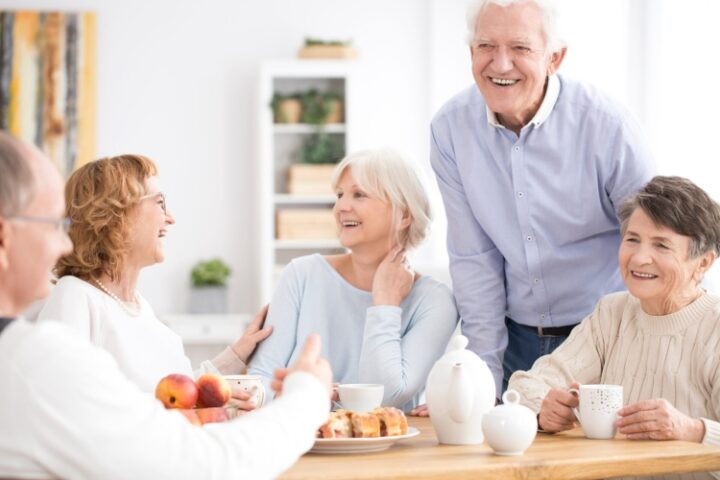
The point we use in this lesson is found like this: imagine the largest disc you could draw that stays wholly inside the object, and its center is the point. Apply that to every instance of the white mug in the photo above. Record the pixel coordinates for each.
(360, 397)
(599, 405)
(248, 383)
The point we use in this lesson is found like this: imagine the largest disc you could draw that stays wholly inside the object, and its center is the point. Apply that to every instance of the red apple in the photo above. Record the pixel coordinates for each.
(191, 415)
(177, 391)
(213, 391)
(211, 415)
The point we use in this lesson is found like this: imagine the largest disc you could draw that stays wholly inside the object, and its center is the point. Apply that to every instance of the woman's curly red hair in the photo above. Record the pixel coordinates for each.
(98, 198)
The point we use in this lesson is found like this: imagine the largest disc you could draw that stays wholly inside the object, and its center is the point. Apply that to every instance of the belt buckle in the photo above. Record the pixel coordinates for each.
(540, 332)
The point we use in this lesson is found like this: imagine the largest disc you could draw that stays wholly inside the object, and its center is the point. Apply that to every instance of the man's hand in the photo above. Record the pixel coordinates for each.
(253, 334)
(556, 412)
(658, 420)
(309, 361)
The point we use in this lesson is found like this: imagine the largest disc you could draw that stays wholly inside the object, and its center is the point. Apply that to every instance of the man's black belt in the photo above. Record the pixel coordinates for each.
(548, 331)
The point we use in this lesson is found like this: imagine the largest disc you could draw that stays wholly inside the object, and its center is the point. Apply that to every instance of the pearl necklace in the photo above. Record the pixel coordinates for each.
(132, 308)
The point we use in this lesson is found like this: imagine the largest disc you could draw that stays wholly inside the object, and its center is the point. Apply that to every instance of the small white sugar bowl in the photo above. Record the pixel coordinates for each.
(509, 428)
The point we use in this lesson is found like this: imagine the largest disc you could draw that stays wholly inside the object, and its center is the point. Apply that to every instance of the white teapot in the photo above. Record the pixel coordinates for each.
(459, 391)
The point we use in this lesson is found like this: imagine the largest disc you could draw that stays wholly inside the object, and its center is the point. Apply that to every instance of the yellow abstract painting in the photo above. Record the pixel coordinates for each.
(47, 83)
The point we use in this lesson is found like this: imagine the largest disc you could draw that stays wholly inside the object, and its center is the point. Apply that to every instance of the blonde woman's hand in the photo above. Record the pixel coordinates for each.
(420, 411)
(253, 334)
(658, 419)
(393, 278)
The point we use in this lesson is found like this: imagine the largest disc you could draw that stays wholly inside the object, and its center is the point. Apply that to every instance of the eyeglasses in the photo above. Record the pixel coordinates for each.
(61, 224)
(162, 203)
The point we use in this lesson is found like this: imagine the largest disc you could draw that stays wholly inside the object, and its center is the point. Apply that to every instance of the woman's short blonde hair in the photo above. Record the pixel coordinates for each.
(387, 175)
(98, 198)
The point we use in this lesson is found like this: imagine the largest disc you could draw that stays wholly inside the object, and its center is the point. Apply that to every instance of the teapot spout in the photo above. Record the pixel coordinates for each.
(461, 394)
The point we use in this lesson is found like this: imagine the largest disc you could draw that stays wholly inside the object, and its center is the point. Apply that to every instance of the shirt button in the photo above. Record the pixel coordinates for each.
(536, 280)
(521, 194)
(529, 238)
(517, 149)
(542, 316)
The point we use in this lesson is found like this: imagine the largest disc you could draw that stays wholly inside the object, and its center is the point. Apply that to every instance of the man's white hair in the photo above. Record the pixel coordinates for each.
(17, 181)
(553, 39)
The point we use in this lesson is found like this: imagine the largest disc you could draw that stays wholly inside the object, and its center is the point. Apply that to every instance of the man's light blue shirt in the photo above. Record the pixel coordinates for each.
(533, 231)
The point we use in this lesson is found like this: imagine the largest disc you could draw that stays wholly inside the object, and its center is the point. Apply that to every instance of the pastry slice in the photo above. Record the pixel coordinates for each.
(392, 421)
(365, 425)
(337, 426)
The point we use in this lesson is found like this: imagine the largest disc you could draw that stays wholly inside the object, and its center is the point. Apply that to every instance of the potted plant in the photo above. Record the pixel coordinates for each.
(320, 108)
(335, 105)
(322, 147)
(287, 108)
(209, 282)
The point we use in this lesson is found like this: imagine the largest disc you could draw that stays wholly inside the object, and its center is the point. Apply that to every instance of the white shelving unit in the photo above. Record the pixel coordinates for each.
(278, 148)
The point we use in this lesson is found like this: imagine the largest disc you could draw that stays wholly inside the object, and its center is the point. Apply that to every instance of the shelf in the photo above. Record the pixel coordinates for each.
(307, 244)
(206, 328)
(284, 128)
(290, 199)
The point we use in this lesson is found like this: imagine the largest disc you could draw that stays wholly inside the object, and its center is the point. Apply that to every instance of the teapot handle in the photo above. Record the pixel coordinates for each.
(461, 395)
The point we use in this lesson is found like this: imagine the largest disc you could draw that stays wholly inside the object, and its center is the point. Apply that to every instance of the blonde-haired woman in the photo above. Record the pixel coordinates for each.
(119, 218)
(380, 322)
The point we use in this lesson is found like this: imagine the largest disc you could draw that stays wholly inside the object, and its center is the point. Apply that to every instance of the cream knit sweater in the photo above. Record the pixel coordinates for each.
(675, 357)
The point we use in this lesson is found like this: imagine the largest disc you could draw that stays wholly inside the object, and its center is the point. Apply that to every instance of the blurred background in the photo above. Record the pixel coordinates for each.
(179, 81)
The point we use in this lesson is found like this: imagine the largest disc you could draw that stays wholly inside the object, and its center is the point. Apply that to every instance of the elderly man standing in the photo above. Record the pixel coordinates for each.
(532, 167)
(66, 411)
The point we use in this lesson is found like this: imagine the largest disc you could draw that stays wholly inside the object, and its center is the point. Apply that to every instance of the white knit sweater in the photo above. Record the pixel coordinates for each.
(675, 357)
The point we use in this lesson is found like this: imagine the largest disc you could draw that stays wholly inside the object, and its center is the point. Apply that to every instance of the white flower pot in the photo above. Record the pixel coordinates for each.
(210, 299)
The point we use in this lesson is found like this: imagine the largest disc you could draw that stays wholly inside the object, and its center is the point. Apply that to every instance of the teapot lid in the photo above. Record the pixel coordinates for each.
(458, 342)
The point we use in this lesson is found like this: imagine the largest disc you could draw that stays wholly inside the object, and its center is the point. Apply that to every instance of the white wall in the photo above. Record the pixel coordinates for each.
(177, 81)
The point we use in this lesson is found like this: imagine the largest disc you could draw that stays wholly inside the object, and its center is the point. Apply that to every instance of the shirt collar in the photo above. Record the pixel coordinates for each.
(551, 96)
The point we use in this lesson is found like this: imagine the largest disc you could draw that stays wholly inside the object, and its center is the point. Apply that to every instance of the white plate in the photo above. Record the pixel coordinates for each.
(359, 445)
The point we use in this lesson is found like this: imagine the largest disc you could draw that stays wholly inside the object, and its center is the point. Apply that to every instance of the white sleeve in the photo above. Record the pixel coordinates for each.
(224, 363)
(69, 305)
(89, 421)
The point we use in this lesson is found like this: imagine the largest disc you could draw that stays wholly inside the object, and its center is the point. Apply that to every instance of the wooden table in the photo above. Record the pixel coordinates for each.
(565, 455)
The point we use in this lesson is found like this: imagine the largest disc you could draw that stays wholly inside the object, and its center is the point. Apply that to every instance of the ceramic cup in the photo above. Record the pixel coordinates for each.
(248, 383)
(360, 397)
(598, 409)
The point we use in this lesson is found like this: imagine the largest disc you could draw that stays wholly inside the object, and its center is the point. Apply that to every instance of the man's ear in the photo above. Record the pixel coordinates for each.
(556, 60)
(4, 243)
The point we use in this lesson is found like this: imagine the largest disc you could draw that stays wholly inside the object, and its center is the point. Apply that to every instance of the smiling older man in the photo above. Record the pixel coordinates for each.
(532, 167)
